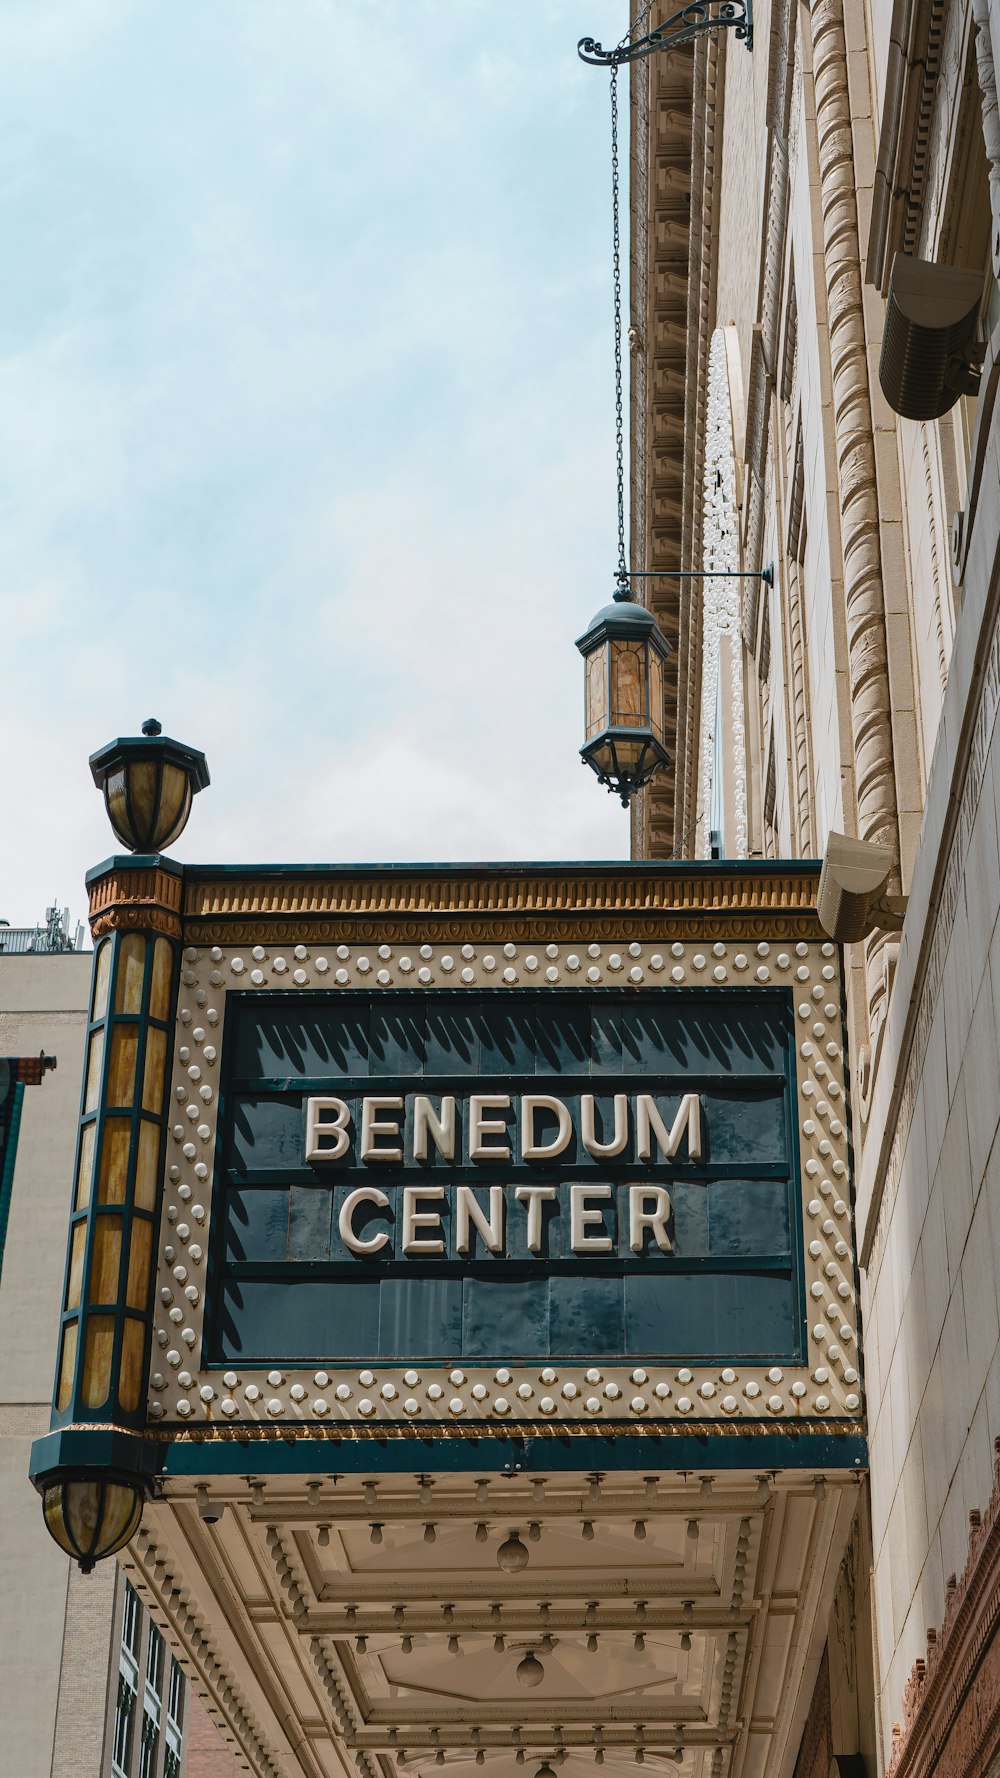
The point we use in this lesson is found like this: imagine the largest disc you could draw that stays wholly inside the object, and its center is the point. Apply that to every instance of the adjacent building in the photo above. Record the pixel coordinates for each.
(772, 192)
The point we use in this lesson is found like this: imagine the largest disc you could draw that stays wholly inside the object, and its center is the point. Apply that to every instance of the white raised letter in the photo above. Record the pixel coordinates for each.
(603, 1150)
(480, 1126)
(469, 1210)
(338, 1128)
(365, 1194)
(582, 1216)
(639, 1218)
(441, 1129)
(535, 1196)
(414, 1219)
(647, 1118)
(371, 1129)
(538, 1151)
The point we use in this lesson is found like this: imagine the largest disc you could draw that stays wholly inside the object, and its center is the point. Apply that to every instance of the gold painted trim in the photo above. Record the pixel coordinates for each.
(382, 1431)
(136, 900)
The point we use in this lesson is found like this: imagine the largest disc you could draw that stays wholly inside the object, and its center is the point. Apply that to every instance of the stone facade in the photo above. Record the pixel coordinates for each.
(869, 692)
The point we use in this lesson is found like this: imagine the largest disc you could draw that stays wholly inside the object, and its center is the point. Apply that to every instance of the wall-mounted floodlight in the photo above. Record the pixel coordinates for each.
(852, 900)
(930, 353)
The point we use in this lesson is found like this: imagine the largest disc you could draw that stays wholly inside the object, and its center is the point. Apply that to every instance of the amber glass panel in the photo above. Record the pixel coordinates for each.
(67, 1365)
(85, 1169)
(114, 791)
(155, 1070)
(74, 1283)
(130, 1375)
(143, 784)
(656, 694)
(597, 690)
(159, 991)
(121, 1070)
(131, 962)
(114, 1161)
(102, 978)
(105, 1265)
(628, 704)
(95, 1056)
(98, 1348)
(175, 801)
(629, 754)
(146, 1164)
(140, 1254)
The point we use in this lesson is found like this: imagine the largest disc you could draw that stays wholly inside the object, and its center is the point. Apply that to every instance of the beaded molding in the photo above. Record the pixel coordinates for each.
(826, 1387)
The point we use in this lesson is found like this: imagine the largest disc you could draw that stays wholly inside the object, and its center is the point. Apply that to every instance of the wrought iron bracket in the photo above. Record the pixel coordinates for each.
(696, 19)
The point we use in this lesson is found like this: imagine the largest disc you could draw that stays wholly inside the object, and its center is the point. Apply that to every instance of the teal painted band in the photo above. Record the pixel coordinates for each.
(757, 1453)
(99, 1450)
(198, 873)
(9, 1157)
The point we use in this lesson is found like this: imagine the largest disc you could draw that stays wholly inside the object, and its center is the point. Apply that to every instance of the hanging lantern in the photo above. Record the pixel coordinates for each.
(149, 783)
(92, 1516)
(625, 655)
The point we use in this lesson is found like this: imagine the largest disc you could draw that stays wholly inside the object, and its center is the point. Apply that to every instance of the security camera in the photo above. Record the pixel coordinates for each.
(852, 900)
(209, 1510)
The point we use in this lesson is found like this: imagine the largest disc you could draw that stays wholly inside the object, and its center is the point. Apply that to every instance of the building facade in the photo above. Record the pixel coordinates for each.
(87, 1683)
(771, 192)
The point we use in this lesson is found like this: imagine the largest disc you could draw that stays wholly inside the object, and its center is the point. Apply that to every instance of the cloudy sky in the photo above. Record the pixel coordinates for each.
(305, 423)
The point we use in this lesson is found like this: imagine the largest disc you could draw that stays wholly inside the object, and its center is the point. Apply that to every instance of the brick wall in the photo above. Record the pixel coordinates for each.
(206, 1754)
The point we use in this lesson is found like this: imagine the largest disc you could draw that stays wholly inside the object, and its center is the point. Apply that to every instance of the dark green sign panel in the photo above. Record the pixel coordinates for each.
(500, 1175)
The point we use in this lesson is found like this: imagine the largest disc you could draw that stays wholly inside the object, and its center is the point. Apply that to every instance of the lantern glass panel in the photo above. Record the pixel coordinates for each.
(656, 694)
(143, 793)
(154, 1071)
(115, 796)
(114, 1161)
(130, 1375)
(85, 1170)
(121, 1067)
(628, 705)
(77, 1249)
(146, 1165)
(597, 690)
(106, 1261)
(97, 1352)
(131, 964)
(140, 1253)
(159, 991)
(175, 805)
(628, 754)
(95, 1056)
(67, 1365)
(102, 979)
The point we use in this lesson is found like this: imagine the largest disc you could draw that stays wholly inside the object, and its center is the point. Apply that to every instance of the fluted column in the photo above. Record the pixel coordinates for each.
(868, 667)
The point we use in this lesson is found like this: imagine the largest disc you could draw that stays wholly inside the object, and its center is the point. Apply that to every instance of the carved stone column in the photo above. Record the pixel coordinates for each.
(868, 671)
(986, 65)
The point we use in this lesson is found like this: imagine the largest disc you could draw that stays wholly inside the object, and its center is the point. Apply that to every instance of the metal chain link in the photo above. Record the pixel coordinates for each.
(622, 569)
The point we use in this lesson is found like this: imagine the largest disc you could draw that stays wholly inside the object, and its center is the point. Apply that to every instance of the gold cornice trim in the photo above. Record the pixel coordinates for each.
(492, 908)
(136, 900)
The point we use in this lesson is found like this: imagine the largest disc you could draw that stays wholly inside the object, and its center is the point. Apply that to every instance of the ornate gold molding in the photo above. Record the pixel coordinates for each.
(136, 900)
(383, 1432)
(549, 904)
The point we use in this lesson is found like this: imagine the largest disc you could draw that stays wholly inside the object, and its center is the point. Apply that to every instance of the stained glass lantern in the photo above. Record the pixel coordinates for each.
(149, 783)
(625, 655)
(92, 1516)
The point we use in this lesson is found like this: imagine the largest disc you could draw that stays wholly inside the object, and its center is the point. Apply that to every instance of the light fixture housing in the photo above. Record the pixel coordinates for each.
(149, 783)
(930, 354)
(625, 656)
(90, 1516)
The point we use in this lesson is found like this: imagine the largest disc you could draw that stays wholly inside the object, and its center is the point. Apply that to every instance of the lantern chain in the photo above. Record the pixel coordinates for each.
(621, 573)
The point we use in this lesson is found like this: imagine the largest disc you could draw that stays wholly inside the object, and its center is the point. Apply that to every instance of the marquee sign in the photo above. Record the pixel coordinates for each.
(449, 1167)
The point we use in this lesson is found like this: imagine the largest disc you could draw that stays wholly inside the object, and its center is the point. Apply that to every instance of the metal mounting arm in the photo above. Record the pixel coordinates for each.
(694, 20)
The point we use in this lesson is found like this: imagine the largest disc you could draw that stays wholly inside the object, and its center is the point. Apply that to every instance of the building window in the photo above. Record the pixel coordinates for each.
(147, 1752)
(131, 1619)
(175, 1696)
(154, 1661)
(124, 1713)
